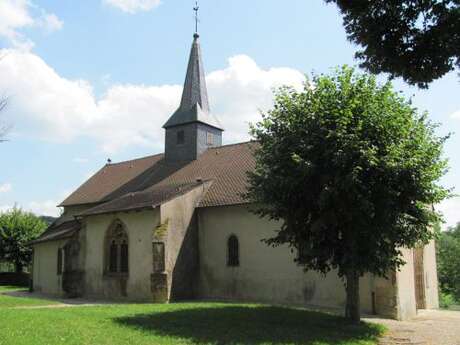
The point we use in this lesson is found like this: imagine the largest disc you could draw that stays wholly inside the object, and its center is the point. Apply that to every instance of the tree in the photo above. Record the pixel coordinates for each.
(418, 40)
(448, 255)
(17, 228)
(349, 168)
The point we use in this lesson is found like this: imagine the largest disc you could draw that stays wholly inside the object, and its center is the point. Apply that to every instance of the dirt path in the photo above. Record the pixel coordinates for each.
(55, 302)
(430, 327)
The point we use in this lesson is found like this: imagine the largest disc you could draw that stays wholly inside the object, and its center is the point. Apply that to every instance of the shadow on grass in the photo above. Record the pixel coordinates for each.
(221, 325)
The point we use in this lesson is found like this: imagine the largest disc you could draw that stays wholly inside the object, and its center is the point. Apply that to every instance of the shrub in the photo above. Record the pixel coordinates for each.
(446, 300)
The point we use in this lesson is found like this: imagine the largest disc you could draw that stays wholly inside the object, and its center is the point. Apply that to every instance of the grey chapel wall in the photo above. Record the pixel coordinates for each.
(139, 227)
(267, 274)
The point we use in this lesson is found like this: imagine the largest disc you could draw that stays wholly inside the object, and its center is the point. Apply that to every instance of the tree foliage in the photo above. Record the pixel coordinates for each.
(349, 168)
(17, 228)
(448, 255)
(418, 40)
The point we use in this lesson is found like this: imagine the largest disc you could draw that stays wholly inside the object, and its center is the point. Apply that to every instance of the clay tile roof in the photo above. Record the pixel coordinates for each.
(150, 198)
(109, 179)
(58, 232)
(226, 166)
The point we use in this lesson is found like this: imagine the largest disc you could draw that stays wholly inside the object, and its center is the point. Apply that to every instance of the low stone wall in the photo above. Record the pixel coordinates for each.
(16, 279)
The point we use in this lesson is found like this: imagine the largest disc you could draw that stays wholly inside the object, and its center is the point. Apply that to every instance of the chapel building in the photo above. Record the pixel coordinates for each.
(176, 226)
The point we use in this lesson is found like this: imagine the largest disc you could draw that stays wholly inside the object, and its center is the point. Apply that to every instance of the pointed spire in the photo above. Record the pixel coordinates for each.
(194, 106)
(195, 90)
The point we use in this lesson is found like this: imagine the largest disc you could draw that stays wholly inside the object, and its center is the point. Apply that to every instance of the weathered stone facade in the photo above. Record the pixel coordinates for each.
(178, 252)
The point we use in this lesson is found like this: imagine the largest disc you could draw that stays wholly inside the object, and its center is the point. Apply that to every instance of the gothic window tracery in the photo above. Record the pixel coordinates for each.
(117, 250)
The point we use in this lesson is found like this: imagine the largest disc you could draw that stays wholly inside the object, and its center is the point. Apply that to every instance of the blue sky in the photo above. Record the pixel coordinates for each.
(94, 79)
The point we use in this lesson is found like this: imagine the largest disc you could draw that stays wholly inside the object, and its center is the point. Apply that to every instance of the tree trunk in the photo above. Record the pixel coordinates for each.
(18, 267)
(352, 311)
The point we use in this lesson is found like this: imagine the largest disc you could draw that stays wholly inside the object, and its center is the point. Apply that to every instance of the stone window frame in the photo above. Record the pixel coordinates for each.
(116, 238)
(159, 266)
(233, 251)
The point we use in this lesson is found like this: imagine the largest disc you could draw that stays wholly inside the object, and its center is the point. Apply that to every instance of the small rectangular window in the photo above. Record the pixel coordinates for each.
(158, 257)
(209, 139)
(180, 138)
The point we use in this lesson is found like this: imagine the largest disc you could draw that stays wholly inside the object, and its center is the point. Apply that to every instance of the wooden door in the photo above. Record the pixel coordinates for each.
(419, 278)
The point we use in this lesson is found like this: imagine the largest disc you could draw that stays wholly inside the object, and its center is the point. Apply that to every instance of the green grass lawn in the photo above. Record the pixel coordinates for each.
(181, 323)
(7, 301)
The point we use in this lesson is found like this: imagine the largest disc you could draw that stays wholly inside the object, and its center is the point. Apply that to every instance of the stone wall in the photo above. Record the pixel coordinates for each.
(406, 287)
(431, 276)
(181, 240)
(44, 272)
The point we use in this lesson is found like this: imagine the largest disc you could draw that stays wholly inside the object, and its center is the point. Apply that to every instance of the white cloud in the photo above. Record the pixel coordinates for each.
(450, 208)
(134, 6)
(455, 115)
(61, 110)
(50, 22)
(241, 90)
(14, 15)
(4, 208)
(18, 14)
(44, 208)
(5, 188)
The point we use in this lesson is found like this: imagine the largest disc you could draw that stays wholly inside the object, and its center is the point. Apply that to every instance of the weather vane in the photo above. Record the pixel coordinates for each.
(196, 9)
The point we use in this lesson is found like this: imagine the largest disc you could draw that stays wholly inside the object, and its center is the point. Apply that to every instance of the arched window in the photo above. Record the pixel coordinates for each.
(113, 260)
(233, 251)
(124, 257)
(116, 250)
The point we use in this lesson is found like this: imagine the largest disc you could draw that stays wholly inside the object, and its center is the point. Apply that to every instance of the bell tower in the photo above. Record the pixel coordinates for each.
(192, 129)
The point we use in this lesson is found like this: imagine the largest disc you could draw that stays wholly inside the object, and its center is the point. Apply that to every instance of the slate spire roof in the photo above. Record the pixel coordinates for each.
(194, 106)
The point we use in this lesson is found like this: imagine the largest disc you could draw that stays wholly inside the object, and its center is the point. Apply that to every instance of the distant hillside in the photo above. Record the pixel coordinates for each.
(48, 220)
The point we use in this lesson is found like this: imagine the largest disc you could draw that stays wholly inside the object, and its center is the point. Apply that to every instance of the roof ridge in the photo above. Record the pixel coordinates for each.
(135, 159)
(234, 144)
(160, 154)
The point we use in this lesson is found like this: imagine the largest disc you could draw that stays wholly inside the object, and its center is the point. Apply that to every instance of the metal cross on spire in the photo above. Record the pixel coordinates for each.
(196, 9)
